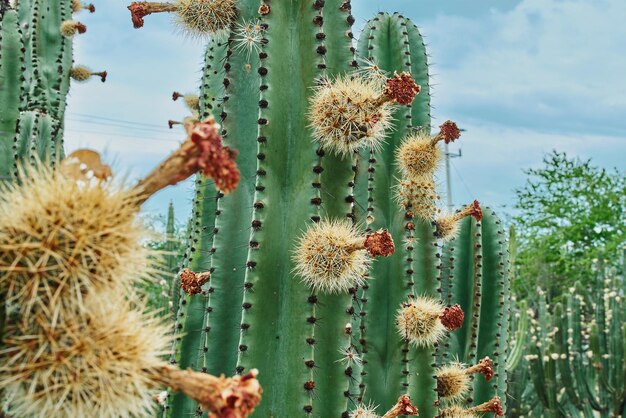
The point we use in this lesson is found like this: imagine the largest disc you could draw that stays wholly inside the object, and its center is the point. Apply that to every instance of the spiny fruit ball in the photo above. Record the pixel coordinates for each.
(452, 382)
(202, 17)
(347, 115)
(61, 237)
(418, 157)
(418, 321)
(330, 257)
(364, 412)
(96, 364)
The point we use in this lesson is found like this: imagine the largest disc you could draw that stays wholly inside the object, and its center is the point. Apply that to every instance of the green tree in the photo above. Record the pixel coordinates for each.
(569, 213)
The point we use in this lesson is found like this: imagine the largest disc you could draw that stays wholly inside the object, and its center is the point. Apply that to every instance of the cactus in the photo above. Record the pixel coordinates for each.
(292, 273)
(35, 69)
(579, 369)
(35, 66)
(592, 368)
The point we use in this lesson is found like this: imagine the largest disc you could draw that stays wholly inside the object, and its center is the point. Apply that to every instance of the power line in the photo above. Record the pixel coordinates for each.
(114, 135)
(139, 128)
(129, 122)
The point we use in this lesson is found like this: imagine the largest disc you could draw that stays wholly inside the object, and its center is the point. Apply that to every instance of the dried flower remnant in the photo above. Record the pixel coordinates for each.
(449, 132)
(401, 89)
(452, 317)
(202, 151)
(403, 407)
(264, 9)
(192, 283)
(141, 9)
(447, 227)
(234, 397)
(493, 405)
(379, 243)
(192, 101)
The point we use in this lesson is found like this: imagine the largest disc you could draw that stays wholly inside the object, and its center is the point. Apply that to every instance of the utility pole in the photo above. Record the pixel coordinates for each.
(449, 155)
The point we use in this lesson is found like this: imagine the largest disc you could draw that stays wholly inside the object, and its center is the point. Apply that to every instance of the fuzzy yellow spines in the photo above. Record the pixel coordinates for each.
(452, 382)
(70, 28)
(96, 364)
(419, 196)
(457, 412)
(196, 18)
(81, 74)
(364, 412)
(346, 115)
(418, 321)
(61, 238)
(423, 321)
(202, 17)
(418, 156)
(447, 226)
(493, 405)
(330, 257)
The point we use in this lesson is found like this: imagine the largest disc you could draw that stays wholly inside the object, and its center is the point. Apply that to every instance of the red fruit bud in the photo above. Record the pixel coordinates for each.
(191, 283)
(379, 243)
(402, 89)
(452, 317)
(449, 131)
(138, 11)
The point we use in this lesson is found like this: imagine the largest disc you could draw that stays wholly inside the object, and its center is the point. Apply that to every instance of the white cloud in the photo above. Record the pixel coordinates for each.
(551, 63)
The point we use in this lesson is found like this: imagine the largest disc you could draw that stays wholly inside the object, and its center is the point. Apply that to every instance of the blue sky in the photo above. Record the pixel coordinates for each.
(522, 77)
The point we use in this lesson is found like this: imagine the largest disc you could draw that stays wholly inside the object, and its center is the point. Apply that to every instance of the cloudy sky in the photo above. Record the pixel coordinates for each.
(522, 77)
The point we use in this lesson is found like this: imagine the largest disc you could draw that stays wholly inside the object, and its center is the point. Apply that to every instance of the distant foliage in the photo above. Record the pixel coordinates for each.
(169, 238)
(571, 213)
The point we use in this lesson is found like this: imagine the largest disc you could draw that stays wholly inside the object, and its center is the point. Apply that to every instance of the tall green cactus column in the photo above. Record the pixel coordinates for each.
(296, 183)
(11, 85)
(393, 43)
(35, 69)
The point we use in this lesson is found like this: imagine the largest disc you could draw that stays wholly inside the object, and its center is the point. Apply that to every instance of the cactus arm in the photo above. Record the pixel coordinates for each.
(229, 252)
(494, 286)
(462, 287)
(190, 310)
(584, 387)
(333, 377)
(562, 348)
(278, 314)
(11, 87)
(190, 317)
(385, 41)
(516, 353)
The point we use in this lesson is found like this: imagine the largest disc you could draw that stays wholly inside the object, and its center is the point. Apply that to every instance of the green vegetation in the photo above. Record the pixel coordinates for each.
(570, 214)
